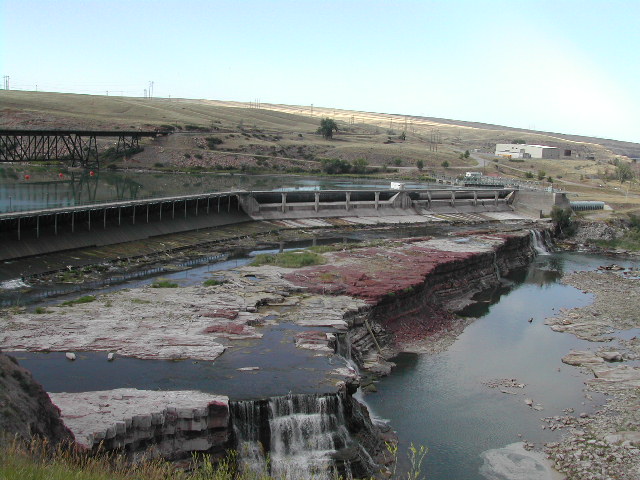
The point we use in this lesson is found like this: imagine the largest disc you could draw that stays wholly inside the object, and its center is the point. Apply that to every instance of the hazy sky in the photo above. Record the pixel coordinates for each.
(564, 66)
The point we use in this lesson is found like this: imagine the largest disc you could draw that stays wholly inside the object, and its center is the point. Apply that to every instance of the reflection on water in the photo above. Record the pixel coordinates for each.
(441, 401)
(280, 366)
(49, 188)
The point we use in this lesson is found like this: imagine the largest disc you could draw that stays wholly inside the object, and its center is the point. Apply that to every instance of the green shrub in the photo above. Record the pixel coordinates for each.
(295, 259)
(212, 282)
(76, 301)
(213, 142)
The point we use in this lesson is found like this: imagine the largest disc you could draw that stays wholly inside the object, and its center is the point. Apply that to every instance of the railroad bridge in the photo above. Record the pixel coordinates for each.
(77, 147)
(48, 230)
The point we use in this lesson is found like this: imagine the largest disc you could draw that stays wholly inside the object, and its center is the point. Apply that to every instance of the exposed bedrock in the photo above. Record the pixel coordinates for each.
(421, 308)
(168, 424)
(25, 408)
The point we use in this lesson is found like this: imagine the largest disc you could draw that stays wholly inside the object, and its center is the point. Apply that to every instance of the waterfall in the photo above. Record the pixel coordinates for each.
(495, 266)
(537, 242)
(292, 437)
(343, 349)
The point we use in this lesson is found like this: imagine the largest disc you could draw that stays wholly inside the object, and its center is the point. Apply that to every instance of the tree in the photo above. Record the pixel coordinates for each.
(624, 172)
(359, 165)
(466, 154)
(420, 165)
(403, 136)
(445, 164)
(541, 174)
(327, 126)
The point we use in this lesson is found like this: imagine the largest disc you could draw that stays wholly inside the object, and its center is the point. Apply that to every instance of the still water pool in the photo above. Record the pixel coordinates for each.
(442, 401)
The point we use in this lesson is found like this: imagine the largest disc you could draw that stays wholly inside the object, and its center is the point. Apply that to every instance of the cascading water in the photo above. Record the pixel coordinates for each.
(298, 434)
(537, 242)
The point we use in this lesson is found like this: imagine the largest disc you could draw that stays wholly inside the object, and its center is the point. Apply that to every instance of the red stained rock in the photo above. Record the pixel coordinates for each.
(221, 313)
(229, 328)
(373, 273)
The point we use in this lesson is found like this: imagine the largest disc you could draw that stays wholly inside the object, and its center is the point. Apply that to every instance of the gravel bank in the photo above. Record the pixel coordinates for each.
(605, 445)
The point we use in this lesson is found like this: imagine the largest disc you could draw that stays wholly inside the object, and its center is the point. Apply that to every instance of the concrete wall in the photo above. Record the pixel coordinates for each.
(538, 203)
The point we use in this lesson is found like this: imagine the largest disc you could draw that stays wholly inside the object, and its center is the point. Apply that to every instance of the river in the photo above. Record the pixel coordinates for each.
(443, 402)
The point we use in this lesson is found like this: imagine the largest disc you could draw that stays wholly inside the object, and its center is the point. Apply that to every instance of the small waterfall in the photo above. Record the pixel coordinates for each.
(292, 437)
(495, 266)
(343, 348)
(538, 243)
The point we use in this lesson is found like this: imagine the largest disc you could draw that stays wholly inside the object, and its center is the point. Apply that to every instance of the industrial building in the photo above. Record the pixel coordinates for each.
(517, 150)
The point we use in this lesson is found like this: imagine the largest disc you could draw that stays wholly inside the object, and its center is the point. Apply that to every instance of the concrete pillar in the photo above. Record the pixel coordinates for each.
(475, 198)
(185, 209)
(55, 224)
(317, 201)
(197, 201)
(377, 194)
(18, 228)
(38, 226)
(284, 202)
(147, 213)
(453, 198)
(429, 199)
(495, 195)
(160, 211)
(348, 200)
(89, 218)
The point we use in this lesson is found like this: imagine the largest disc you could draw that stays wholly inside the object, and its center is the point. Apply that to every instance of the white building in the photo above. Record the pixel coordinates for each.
(517, 150)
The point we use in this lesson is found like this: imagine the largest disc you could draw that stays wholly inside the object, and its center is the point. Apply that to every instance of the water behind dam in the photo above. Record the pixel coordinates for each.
(49, 188)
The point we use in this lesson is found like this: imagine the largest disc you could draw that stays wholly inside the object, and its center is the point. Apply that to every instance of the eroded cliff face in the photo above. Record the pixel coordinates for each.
(421, 309)
(26, 410)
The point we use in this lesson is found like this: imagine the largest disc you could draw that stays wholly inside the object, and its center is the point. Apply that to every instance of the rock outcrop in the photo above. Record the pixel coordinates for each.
(25, 408)
(170, 424)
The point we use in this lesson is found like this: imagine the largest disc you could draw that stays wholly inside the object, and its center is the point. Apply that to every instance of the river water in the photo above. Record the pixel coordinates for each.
(442, 401)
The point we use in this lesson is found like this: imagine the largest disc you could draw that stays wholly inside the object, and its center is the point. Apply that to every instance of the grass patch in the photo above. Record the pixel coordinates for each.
(295, 259)
(629, 241)
(41, 310)
(212, 282)
(77, 301)
(164, 283)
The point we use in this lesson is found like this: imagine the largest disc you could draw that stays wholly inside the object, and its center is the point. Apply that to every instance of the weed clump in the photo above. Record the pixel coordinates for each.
(295, 259)
(77, 301)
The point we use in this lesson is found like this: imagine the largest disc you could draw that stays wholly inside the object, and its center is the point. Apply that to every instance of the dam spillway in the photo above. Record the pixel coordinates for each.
(48, 230)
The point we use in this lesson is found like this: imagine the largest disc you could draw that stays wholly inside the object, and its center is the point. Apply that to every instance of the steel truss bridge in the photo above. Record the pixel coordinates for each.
(77, 147)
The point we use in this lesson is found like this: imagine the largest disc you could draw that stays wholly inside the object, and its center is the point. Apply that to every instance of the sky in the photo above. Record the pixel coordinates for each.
(560, 65)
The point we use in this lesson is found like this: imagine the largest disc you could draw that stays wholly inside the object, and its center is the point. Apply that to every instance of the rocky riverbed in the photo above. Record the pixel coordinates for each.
(605, 445)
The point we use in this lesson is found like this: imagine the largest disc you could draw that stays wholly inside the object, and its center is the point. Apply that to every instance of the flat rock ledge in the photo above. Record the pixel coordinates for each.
(147, 423)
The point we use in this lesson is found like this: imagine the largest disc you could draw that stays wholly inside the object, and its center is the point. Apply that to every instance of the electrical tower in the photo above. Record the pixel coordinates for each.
(434, 139)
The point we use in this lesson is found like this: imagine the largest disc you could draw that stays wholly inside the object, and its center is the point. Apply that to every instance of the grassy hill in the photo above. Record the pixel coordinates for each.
(230, 135)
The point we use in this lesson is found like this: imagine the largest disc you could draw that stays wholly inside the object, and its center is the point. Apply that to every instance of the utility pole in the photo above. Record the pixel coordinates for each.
(6, 82)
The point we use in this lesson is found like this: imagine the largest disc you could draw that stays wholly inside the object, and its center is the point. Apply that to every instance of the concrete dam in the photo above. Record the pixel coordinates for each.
(43, 231)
